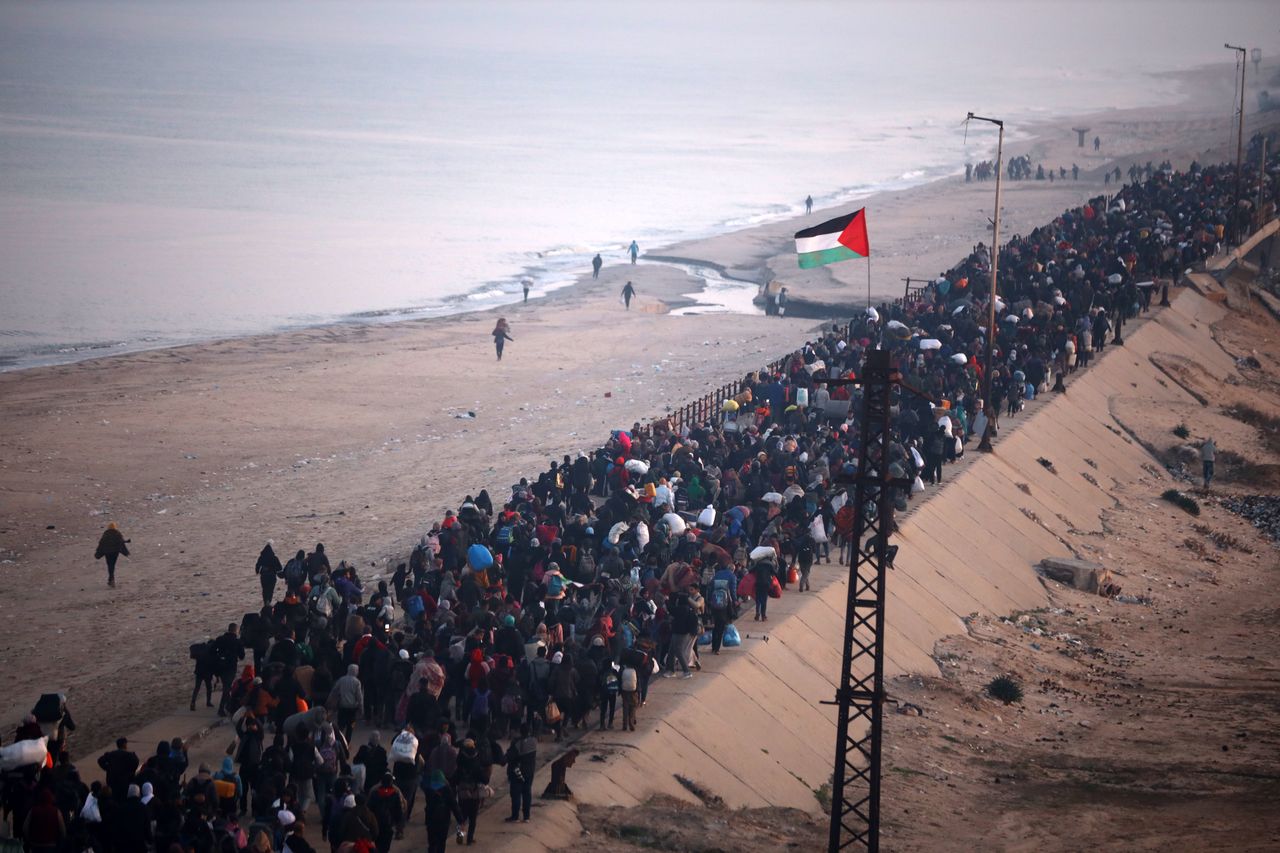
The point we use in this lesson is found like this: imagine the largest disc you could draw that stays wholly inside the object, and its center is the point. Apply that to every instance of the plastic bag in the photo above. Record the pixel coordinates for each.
(917, 486)
(707, 518)
(704, 639)
(775, 588)
(793, 576)
(818, 530)
(731, 637)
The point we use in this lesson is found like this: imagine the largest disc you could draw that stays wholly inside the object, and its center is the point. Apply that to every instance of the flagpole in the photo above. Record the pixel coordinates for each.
(868, 281)
(989, 433)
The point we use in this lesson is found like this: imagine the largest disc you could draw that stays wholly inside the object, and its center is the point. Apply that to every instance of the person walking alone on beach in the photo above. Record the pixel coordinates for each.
(269, 570)
(634, 250)
(808, 204)
(501, 336)
(110, 547)
(526, 284)
(1208, 455)
(628, 291)
(598, 262)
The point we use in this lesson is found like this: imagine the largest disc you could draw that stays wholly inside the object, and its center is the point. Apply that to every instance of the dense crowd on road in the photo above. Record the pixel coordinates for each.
(517, 623)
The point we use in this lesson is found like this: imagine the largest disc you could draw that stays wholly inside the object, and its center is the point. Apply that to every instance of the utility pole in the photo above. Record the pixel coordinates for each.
(855, 780)
(1262, 176)
(1235, 213)
(985, 444)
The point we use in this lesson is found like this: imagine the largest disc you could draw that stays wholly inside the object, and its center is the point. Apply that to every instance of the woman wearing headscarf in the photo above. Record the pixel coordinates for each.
(472, 786)
(229, 786)
(441, 807)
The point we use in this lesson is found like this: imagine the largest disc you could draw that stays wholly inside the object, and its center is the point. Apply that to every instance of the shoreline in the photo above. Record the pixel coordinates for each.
(1194, 83)
(342, 433)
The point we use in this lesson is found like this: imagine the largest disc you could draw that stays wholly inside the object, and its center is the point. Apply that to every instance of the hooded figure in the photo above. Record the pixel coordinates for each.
(268, 569)
(110, 547)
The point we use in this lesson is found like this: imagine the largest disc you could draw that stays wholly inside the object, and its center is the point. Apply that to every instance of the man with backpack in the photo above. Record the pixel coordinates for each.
(322, 606)
(554, 582)
(295, 572)
(722, 601)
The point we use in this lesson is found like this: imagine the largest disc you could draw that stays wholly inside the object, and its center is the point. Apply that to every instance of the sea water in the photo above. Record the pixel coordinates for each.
(178, 171)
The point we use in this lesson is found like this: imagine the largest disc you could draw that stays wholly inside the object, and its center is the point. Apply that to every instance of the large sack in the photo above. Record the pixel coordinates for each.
(707, 518)
(312, 719)
(762, 552)
(479, 558)
(637, 466)
(23, 753)
(404, 748)
(675, 524)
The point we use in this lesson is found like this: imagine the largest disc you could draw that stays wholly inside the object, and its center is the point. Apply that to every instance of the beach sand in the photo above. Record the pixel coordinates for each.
(350, 435)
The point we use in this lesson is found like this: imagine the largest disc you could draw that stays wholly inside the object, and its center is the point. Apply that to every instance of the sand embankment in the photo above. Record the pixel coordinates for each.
(750, 730)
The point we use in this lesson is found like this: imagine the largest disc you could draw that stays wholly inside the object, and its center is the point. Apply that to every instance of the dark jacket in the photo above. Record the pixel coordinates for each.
(111, 545)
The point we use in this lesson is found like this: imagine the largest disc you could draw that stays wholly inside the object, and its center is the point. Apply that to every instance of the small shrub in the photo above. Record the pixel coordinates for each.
(1177, 498)
(1006, 689)
(822, 794)
(1181, 431)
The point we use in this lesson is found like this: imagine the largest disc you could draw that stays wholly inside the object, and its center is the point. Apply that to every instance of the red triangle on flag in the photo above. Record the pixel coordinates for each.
(854, 236)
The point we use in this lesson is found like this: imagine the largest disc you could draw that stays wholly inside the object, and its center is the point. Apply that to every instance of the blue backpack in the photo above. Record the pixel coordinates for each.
(555, 585)
(480, 704)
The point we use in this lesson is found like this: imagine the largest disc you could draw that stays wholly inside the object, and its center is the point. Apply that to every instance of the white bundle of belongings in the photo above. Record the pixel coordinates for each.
(24, 753)
(675, 524)
(762, 552)
(637, 466)
(707, 518)
(930, 343)
(404, 748)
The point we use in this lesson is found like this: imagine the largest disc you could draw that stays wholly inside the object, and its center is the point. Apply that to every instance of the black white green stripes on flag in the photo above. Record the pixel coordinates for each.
(839, 239)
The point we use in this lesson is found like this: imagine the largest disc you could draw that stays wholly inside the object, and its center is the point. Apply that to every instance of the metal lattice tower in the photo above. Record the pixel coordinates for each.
(855, 788)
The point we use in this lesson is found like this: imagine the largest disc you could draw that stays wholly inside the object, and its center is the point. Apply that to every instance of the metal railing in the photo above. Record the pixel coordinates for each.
(710, 405)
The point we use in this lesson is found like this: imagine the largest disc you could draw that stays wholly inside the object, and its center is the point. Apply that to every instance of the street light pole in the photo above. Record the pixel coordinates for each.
(985, 444)
(1235, 214)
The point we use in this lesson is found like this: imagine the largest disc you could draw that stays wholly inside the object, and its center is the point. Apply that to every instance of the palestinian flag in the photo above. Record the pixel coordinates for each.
(838, 239)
